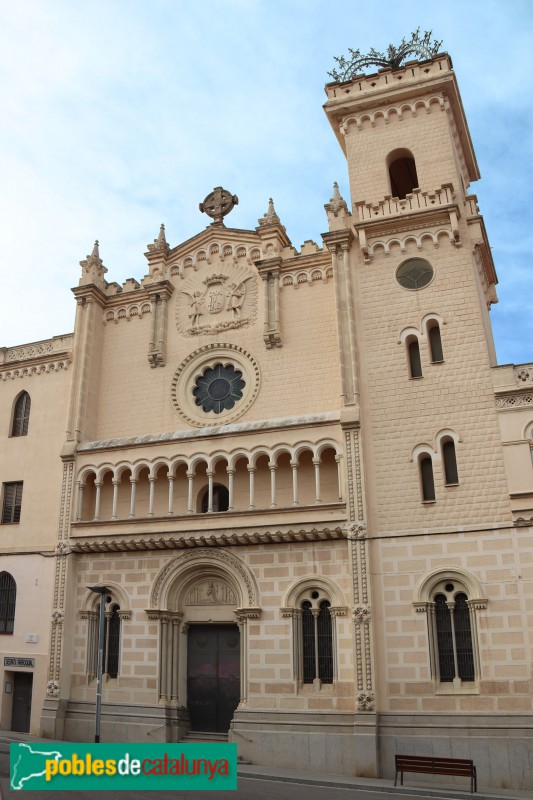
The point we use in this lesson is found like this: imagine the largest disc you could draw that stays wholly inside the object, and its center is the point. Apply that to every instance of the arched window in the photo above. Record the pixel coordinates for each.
(451, 601)
(314, 604)
(8, 599)
(413, 354)
(435, 343)
(317, 640)
(454, 638)
(21, 415)
(112, 636)
(220, 499)
(402, 173)
(449, 460)
(426, 478)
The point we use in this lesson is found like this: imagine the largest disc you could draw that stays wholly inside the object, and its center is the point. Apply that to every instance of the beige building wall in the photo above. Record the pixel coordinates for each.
(28, 547)
(320, 459)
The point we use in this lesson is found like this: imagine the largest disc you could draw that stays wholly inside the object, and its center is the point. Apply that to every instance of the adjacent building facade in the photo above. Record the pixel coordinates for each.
(300, 474)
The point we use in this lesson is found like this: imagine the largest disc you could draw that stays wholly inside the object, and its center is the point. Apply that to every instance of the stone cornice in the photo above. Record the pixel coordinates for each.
(190, 434)
(186, 542)
(54, 362)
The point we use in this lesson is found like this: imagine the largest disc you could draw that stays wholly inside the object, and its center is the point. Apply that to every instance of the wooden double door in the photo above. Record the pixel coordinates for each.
(213, 676)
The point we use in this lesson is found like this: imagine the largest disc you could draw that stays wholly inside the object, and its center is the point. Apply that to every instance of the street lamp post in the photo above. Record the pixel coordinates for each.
(102, 591)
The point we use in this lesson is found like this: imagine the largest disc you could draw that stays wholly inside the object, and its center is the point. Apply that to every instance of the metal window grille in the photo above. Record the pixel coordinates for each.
(325, 643)
(21, 415)
(463, 638)
(12, 502)
(112, 643)
(443, 621)
(8, 598)
(308, 642)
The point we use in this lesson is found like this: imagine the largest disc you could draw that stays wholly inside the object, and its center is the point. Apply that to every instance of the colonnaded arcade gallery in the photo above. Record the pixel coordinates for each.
(300, 474)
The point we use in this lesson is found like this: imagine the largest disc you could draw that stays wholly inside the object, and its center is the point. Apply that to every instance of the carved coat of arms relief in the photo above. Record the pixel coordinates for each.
(220, 301)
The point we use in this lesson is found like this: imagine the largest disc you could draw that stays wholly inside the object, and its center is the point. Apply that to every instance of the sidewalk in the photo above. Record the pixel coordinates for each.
(384, 785)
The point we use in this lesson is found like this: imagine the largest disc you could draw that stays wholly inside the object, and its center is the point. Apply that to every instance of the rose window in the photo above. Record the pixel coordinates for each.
(219, 388)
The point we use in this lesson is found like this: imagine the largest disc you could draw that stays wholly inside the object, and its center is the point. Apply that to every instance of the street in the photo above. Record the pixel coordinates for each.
(249, 789)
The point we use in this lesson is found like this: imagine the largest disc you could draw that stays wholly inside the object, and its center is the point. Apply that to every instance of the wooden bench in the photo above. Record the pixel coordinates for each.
(433, 765)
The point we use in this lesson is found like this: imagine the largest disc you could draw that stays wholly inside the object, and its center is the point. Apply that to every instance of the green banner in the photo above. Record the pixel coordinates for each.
(111, 767)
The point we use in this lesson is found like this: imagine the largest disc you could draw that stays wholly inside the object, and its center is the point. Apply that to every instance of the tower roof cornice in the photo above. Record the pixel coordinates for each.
(395, 87)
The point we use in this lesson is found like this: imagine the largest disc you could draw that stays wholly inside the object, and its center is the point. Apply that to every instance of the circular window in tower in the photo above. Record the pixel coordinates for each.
(219, 388)
(415, 273)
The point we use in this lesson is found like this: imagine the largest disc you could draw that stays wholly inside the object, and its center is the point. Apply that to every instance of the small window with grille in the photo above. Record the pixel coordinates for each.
(8, 599)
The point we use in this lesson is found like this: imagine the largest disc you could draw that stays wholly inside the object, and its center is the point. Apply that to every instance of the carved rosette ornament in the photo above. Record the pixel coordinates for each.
(58, 617)
(53, 688)
(362, 614)
(356, 531)
(366, 701)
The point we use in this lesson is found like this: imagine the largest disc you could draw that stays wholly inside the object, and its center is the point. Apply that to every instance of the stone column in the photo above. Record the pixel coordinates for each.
(133, 482)
(190, 478)
(98, 487)
(210, 475)
(251, 471)
(170, 512)
(272, 467)
(81, 487)
(294, 467)
(116, 484)
(152, 496)
(316, 462)
(231, 473)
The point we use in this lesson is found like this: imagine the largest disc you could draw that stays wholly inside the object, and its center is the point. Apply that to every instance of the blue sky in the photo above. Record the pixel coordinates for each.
(118, 116)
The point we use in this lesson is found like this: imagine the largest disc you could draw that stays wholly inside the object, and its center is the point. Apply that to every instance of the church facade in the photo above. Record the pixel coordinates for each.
(300, 475)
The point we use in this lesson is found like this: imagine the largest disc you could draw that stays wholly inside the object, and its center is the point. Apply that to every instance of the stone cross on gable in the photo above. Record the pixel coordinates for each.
(219, 203)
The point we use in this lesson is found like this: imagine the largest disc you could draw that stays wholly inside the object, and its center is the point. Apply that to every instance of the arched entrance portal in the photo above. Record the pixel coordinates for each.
(203, 600)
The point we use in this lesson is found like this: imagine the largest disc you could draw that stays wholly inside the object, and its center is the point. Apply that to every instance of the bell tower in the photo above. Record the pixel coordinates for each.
(423, 282)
